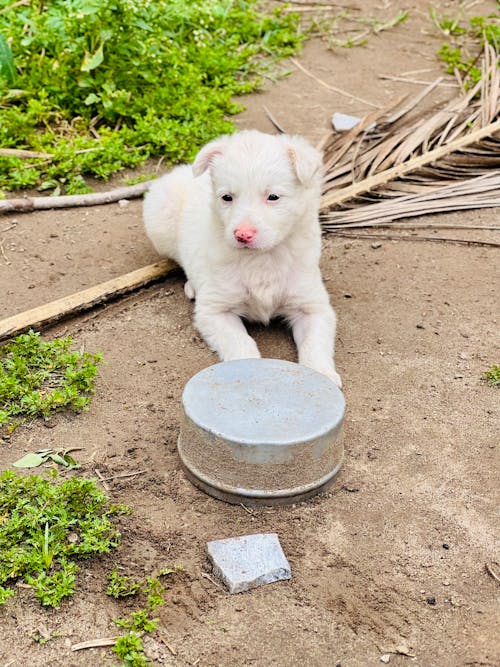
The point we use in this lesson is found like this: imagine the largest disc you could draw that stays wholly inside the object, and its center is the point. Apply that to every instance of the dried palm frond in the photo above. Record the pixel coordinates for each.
(411, 165)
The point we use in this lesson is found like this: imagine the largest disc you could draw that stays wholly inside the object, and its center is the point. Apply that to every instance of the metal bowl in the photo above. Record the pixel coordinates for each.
(261, 431)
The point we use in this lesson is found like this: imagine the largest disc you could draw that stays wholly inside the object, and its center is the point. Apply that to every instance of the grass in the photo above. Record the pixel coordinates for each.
(466, 42)
(358, 29)
(129, 647)
(46, 525)
(39, 377)
(493, 375)
(100, 85)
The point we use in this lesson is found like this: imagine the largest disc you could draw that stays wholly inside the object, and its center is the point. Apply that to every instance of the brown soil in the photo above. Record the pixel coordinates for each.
(392, 560)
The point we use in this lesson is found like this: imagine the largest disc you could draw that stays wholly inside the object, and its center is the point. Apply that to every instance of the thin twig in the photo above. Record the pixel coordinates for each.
(397, 237)
(273, 120)
(7, 229)
(247, 509)
(95, 643)
(387, 77)
(214, 581)
(491, 572)
(102, 480)
(170, 648)
(2, 252)
(333, 89)
(126, 474)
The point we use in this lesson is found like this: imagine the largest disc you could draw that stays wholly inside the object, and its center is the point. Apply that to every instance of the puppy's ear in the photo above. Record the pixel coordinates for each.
(307, 162)
(206, 155)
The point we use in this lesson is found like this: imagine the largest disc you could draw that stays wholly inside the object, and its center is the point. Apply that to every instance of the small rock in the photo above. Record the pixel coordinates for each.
(376, 245)
(446, 545)
(385, 658)
(123, 203)
(347, 295)
(248, 561)
(431, 600)
(343, 122)
(420, 326)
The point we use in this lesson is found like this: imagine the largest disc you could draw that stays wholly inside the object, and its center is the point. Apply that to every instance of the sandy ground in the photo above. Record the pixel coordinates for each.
(391, 560)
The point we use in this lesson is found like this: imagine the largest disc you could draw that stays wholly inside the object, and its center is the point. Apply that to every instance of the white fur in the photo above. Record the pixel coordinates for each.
(278, 275)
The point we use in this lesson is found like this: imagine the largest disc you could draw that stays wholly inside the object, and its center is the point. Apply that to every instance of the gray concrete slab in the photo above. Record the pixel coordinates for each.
(246, 562)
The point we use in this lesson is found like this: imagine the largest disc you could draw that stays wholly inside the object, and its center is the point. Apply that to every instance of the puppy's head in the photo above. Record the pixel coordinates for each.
(265, 186)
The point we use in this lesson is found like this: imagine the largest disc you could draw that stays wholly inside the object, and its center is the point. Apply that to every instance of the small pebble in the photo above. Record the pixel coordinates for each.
(343, 122)
(376, 245)
(385, 658)
(431, 600)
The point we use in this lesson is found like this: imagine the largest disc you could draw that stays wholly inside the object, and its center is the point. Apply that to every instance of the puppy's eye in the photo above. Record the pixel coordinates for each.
(227, 198)
(272, 197)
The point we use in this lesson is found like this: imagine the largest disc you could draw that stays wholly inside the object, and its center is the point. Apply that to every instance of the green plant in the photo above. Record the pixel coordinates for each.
(121, 586)
(39, 377)
(493, 375)
(469, 37)
(100, 85)
(129, 647)
(359, 29)
(45, 525)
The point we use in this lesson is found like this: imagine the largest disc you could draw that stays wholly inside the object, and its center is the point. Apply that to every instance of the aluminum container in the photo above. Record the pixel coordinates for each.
(261, 431)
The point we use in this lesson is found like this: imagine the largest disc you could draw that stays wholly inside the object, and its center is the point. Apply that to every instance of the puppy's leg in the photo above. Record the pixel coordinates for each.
(225, 334)
(189, 291)
(314, 335)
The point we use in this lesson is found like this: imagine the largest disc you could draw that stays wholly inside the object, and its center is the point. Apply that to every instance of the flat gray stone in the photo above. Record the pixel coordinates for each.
(343, 122)
(248, 561)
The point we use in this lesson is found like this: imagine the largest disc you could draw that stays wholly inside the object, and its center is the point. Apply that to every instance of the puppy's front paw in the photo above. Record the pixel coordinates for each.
(335, 378)
(189, 291)
(330, 373)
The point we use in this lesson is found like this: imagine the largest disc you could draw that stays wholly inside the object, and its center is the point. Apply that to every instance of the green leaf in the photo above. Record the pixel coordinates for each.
(92, 98)
(31, 460)
(7, 67)
(58, 459)
(90, 62)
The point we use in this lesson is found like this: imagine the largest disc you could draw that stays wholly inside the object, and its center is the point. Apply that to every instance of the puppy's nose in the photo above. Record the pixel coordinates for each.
(245, 233)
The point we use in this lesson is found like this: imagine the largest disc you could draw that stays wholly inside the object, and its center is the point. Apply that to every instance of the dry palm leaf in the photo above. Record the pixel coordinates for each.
(414, 165)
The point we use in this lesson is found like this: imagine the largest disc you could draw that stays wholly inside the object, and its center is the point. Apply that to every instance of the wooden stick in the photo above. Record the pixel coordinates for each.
(331, 199)
(95, 643)
(26, 204)
(86, 299)
(20, 153)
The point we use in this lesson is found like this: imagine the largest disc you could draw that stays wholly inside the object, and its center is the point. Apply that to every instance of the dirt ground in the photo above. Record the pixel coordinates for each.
(392, 559)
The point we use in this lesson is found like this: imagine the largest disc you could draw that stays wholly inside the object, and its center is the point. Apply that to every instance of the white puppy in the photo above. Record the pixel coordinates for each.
(242, 221)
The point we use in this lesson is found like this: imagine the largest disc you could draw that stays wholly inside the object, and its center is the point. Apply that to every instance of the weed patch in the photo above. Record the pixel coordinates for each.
(45, 525)
(39, 377)
(467, 39)
(99, 85)
(129, 647)
(493, 376)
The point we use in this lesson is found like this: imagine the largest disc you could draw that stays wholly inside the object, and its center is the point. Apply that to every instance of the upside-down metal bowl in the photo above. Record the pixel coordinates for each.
(261, 431)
